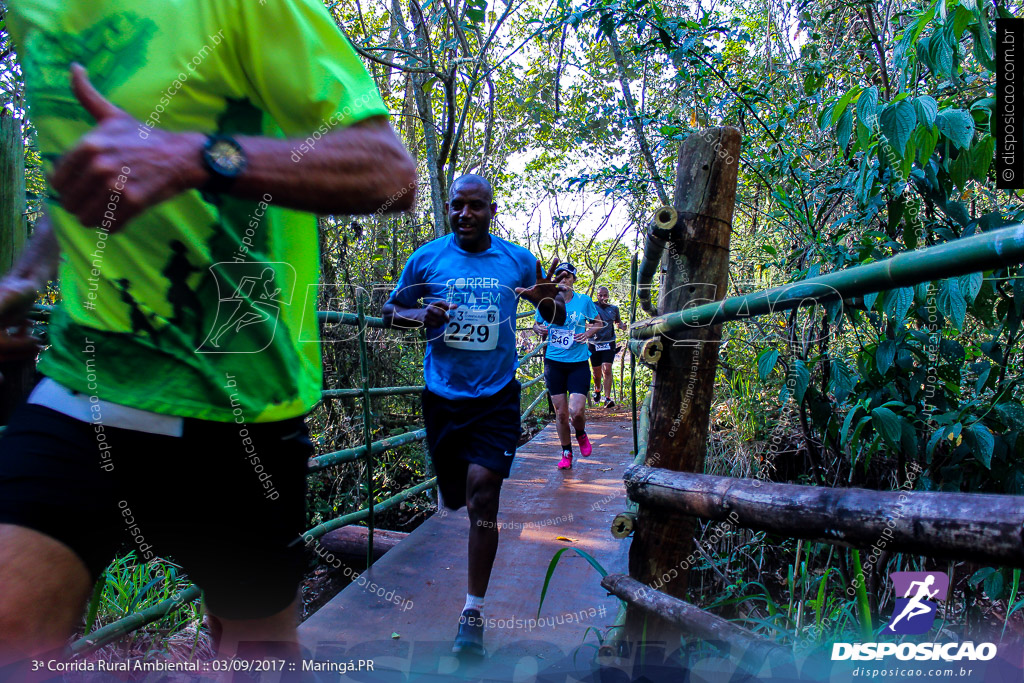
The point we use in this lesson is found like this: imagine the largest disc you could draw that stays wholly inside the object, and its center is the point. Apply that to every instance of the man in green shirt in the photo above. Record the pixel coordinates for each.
(186, 156)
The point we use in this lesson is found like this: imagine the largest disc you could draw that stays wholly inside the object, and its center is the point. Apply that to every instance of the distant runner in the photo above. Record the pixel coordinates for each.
(565, 364)
(463, 289)
(602, 347)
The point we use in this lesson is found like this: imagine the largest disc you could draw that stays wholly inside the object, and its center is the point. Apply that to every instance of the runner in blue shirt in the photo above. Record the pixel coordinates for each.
(566, 371)
(463, 288)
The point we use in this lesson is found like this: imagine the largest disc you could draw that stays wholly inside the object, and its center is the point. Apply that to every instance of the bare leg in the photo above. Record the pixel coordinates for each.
(483, 493)
(607, 367)
(561, 405)
(45, 588)
(577, 413)
(597, 375)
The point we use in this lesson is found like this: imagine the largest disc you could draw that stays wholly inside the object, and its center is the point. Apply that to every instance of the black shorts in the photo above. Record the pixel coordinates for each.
(566, 378)
(224, 500)
(599, 358)
(484, 431)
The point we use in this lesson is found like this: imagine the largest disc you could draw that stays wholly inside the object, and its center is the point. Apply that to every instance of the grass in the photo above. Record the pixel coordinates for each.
(129, 585)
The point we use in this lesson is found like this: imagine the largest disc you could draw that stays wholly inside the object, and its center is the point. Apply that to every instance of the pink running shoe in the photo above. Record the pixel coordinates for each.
(566, 462)
(585, 447)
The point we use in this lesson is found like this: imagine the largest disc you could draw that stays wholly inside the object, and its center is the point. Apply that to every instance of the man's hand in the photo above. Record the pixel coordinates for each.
(35, 266)
(436, 314)
(114, 160)
(16, 341)
(548, 297)
(540, 330)
(581, 338)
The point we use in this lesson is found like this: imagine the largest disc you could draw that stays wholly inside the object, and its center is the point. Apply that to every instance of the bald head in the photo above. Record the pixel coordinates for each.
(471, 179)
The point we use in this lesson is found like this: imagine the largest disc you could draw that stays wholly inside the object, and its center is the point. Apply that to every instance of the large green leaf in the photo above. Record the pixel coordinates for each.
(897, 122)
(984, 443)
(842, 380)
(970, 285)
(886, 423)
(800, 377)
(1011, 413)
(884, 356)
(951, 302)
(867, 107)
(981, 157)
(960, 170)
(957, 125)
(898, 301)
(925, 140)
(844, 128)
(926, 108)
(841, 105)
(766, 363)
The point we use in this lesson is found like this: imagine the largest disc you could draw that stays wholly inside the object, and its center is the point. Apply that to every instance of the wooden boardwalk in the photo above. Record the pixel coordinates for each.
(406, 623)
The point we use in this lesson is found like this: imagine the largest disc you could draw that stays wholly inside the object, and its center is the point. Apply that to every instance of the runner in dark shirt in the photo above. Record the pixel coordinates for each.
(602, 347)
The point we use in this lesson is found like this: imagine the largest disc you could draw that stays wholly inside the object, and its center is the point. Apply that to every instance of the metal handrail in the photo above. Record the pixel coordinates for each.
(966, 255)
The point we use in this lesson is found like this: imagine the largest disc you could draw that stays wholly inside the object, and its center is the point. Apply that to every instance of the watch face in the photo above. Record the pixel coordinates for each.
(227, 156)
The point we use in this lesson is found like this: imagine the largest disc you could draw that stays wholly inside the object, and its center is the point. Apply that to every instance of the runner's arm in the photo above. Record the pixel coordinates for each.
(540, 330)
(19, 288)
(360, 169)
(434, 315)
(37, 264)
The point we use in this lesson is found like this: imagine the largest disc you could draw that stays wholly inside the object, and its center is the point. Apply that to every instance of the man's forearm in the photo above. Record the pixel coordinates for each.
(399, 316)
(360, 169)
(356, 170)
(38, 262)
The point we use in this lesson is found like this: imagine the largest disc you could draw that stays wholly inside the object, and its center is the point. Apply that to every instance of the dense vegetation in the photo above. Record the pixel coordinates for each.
(867, 132)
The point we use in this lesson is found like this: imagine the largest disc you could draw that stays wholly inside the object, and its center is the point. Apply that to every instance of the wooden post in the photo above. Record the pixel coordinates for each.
(697, 271)
(13, 234)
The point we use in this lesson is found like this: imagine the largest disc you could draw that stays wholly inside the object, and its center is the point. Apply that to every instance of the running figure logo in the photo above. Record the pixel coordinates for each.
(250, 296)
(914, 612)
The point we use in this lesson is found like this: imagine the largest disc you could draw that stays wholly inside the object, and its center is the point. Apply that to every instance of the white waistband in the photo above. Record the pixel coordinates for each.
(56, 396)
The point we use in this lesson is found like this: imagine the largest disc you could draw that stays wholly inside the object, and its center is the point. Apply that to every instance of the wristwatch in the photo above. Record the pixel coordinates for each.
(225, 159)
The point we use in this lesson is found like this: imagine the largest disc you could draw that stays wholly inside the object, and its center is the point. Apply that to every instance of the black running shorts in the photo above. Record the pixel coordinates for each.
(566, 378)
(484, 431)
(224, 500)
(599, 358)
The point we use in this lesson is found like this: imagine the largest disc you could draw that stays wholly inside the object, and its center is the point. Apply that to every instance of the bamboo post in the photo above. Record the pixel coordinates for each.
(632, 358)
(364, 372)
(658, 233)
(698, 268)
(17, 375)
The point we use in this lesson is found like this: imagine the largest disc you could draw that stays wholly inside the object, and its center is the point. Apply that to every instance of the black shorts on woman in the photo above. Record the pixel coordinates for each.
(567, 378)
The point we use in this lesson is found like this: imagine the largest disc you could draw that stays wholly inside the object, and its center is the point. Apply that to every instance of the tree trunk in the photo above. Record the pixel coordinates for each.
(698, 269)
(638, 125)
(19, 376)
(438, 190)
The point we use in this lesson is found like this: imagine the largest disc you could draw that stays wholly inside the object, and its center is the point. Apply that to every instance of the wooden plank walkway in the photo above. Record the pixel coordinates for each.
(406, 623)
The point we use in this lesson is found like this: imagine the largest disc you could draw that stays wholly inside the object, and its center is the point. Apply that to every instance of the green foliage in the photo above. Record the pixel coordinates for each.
(129, 585)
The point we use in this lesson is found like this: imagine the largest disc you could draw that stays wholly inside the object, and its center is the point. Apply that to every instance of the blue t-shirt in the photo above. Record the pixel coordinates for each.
(561, 343)
(475, 354)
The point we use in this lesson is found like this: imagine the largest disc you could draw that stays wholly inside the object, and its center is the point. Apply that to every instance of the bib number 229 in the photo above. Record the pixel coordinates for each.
(472, 330)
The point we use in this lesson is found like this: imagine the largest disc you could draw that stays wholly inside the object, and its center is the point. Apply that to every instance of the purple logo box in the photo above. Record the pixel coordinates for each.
(917, 595)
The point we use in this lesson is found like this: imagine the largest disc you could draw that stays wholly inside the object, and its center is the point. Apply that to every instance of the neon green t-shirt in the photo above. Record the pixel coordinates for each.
(204, 304)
